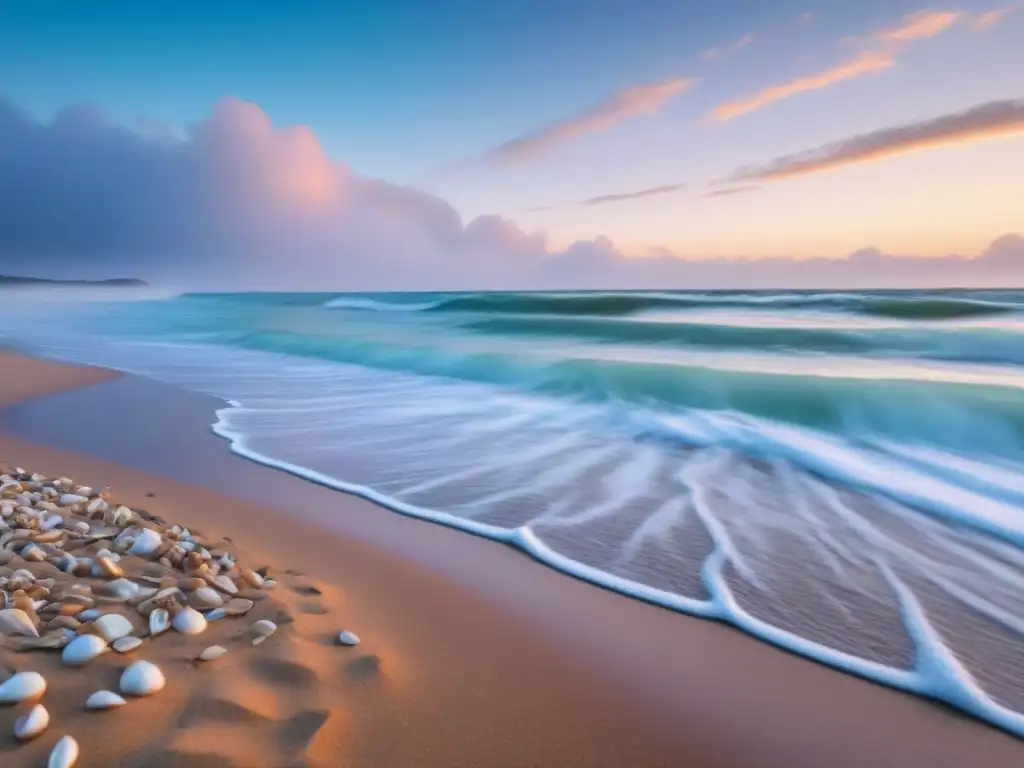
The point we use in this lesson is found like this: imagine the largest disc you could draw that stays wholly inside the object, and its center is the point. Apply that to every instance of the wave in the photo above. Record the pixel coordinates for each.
(977, 345)
(615, 304)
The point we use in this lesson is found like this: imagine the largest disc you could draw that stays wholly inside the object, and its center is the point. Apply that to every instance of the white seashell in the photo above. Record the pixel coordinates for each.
(32, 724)
(209, 597)
(84, 490)
(159, 621)
(259, 640)
(189, 621)
(49, 522)
(263, 628)
(104, 700)
(269, 583)
(348, 638)
(238, 606)
(89, 614)
(65, 754)
(113, 627)
(72, 498)
(142, 679)
(213, 652)
(96, 505)
(24, 686)
(126, 644)
(216, 613)
(81, 526)
(14, 621)
(147, 542)
(82, 650)
(122, 516)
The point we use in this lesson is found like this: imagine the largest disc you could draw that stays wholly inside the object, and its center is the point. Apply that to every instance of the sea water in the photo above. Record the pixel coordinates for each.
(840, 474)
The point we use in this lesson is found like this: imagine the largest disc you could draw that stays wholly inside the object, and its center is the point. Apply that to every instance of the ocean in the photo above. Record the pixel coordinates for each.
(837, 473)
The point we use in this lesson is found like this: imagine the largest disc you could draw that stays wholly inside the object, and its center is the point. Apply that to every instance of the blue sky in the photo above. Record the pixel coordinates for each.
(419, 93)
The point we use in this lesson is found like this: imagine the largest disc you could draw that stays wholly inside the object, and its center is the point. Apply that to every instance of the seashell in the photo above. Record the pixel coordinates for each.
(122, 516)
(213, 652)
(96, 505)
(14, 621)
(53, 640)
(207, 597)
(81, 526)
(68, 499)
(348, 638)
(65, 754)
(122, 589)
(104, 700)
(31, 725)
(259, 640)
(216, 614)
(51, 523)
(146, 543)
(126, 644)
(239, 606)
(252, 578)
(189, 621)
(82, 650)
(23, 686)
(159, 621)
(89, 614)
(269, 584)
(113, 627)
(263, 628)
(224, 584)
(142, 679)
(84, 490)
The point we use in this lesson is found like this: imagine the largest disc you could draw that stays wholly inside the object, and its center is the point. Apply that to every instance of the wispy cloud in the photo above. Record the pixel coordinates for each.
(985, 121)
(713, 54)
(860, 65)
(989, 19)
(879, 54)
(622, 196)
(742, 189)
(617, 197)
(630, 102)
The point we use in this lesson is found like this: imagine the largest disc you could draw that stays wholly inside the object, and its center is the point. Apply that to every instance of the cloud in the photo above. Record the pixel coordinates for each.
(620, 197)
(730, 191)
(860, 65)
(635, 101)
(989, 19)
(881, 47)
(985, 121)
(713, 54)
(237, 203)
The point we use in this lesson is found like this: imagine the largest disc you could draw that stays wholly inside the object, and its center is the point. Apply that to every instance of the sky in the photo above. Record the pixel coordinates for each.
(534, 143)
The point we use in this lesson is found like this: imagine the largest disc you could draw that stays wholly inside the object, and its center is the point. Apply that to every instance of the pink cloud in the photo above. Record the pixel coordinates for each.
(989, 19)
(635, 101)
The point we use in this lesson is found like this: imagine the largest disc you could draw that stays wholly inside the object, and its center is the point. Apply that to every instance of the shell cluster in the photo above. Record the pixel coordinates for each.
(177, 582)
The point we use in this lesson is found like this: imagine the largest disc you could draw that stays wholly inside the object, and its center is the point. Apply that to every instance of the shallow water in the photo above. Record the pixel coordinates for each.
(841, 474)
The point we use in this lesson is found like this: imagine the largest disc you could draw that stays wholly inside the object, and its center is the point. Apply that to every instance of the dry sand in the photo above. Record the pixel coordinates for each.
(471, 655)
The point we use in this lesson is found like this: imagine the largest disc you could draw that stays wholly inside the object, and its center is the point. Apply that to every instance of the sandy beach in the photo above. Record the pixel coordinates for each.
(470, 654)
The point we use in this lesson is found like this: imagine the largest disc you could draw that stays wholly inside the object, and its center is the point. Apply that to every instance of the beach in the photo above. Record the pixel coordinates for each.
(470, 653)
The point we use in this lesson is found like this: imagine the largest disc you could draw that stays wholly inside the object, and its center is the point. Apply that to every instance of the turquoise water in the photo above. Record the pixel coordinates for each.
(841, 474)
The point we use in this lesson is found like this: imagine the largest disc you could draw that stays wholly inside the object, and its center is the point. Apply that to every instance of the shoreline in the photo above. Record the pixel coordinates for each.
(684, 691)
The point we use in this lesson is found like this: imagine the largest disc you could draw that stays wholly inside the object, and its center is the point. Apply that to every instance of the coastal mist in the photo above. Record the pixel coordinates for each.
(839, 474)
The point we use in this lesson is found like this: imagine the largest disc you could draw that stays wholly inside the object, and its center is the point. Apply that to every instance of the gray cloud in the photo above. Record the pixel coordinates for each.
(620, 197)
(730, 191)
(238, 203)
(985, 121)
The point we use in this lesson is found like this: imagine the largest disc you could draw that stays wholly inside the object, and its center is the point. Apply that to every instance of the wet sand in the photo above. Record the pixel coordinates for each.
(483, 657)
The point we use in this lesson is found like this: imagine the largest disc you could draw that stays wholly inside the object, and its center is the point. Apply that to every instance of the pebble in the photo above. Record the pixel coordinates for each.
(146, 543)
(215, 614)
(104, 700)
(189, 621)
(65, 754)
(89, 614)
(31, 725)
(142, 679)
(113, 627)
(126, 644)
(69, 499)
(207, 597)
(213, 652)
(348, 638)
(263, 628)
(238, 606)
(23, 686)
(82, 650)
(122, 588)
